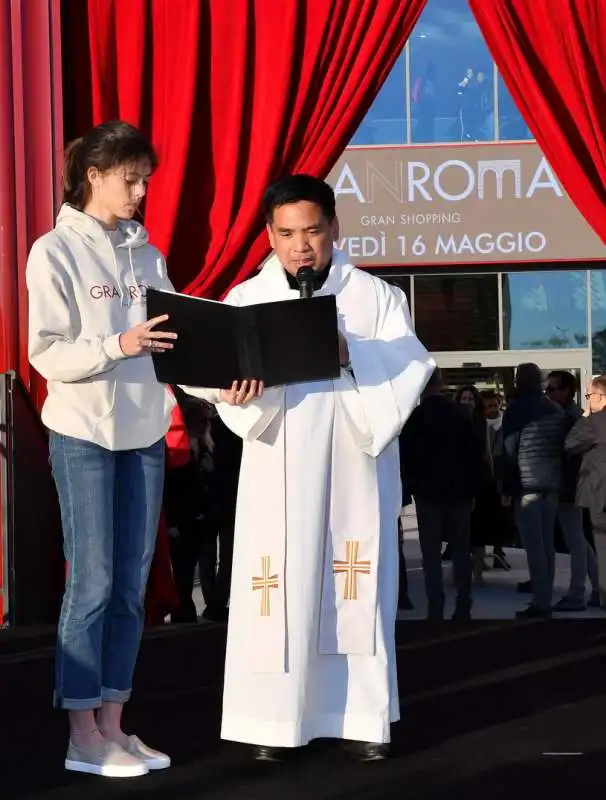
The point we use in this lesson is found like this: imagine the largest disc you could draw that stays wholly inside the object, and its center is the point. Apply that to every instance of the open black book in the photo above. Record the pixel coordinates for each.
(292, 341)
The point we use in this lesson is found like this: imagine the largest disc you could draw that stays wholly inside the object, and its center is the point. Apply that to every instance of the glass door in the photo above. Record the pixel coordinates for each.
(496, 370)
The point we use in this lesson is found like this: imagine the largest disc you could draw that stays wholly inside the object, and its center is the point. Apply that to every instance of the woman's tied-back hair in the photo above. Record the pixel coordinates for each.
(105, 147)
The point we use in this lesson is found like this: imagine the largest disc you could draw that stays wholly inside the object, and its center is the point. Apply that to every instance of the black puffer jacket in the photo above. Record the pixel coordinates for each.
(534, 429)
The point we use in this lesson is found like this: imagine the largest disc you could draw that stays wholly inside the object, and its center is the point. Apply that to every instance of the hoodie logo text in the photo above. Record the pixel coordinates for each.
(104, 292)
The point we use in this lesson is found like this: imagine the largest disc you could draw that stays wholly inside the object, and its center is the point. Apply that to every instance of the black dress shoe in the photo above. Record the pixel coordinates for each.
(263, 753)
(367, 751)
(534, 612)
(524, 587)
(215, 614)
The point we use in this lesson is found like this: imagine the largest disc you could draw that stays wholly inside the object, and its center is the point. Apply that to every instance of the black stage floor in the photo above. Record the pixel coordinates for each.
(493, 710)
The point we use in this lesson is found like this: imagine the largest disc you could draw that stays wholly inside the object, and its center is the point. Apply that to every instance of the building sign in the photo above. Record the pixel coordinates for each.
(456, 203)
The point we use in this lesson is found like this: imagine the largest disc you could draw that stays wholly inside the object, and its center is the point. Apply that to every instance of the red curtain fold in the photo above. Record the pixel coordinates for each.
(234, 94)
(552, 55)
(31, 136)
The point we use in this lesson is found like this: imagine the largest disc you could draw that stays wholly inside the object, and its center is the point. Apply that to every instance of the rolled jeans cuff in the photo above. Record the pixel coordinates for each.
(80, 704)
(115, 695)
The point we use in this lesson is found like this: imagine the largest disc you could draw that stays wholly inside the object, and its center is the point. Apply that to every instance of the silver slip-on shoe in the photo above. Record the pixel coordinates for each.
(154, 759)
(107, 759)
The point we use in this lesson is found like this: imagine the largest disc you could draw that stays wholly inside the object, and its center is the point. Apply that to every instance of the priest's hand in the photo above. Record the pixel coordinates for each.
(242, 392)
(343, 350)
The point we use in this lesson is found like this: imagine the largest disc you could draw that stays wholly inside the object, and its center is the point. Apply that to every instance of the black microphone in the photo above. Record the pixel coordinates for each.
(305, 277)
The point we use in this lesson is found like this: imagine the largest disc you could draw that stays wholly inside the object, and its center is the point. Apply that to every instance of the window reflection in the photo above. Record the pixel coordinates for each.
(598, 319)
(457, 312)
(385, 122)
(451, 76)
(544, 310)
(511, 123)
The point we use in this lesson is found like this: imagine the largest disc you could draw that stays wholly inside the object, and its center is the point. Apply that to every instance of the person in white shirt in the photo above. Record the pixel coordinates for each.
(310, 645)
(107, 417)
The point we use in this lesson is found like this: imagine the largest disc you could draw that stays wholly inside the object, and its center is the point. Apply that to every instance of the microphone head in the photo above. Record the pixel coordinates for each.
(305, 279)
(305, 274)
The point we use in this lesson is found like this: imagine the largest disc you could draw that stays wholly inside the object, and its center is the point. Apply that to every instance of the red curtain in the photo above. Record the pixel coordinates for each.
(234, 94)
(552, 55)
(31, 135)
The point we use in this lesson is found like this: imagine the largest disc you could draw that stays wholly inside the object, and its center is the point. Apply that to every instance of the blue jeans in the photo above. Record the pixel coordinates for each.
(110, 505)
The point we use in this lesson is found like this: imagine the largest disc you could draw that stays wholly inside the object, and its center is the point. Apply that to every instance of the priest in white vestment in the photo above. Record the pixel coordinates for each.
(310, 643)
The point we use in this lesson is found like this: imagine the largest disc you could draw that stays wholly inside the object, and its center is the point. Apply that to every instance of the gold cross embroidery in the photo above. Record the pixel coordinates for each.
(351, 568)
(265, 583)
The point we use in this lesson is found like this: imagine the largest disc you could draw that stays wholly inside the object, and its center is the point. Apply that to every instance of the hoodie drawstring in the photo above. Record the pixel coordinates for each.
(125, 297)
(131, 261)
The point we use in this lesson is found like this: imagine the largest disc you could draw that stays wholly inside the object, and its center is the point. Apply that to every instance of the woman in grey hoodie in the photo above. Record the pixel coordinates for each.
(107, 417)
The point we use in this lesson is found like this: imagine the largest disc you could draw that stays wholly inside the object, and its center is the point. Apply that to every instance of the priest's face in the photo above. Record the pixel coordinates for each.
(302, 236)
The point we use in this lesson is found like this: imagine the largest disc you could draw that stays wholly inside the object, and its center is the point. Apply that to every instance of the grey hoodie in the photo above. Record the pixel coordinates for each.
(87, 285)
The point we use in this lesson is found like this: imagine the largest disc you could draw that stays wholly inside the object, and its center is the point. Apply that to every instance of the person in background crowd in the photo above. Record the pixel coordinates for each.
(588, 439)
(215, 578)
(493, 407)
(562, 389)
(493, 411)
(161, 598)
(404, 601)
(107, 415)
(441, 464)
(187, 499)
(482, 516)
(534, 428)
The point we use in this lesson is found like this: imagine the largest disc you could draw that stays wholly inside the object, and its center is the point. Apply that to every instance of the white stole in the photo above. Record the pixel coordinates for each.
(350, 582)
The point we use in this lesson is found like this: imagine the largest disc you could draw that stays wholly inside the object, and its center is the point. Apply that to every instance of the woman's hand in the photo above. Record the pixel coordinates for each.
(242, 393)
(143, 339)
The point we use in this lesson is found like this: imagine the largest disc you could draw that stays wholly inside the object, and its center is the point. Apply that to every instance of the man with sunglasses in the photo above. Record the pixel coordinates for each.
(562, 389)
(588, 439)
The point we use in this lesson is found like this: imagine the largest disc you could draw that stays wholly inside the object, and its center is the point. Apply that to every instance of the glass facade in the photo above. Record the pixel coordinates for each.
(445, 87)
(451, 76)
(535, 310)
(545, 310)
(457, 312)
(511, 125)
(386, 121)
(598, 319)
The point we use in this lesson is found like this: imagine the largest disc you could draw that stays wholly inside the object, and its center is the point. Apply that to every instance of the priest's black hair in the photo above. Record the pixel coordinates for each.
(295, 189)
